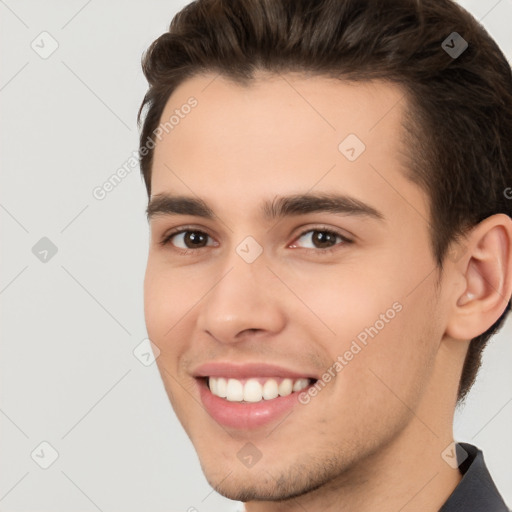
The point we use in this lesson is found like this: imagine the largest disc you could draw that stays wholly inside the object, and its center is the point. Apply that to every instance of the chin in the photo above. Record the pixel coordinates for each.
(267, 483)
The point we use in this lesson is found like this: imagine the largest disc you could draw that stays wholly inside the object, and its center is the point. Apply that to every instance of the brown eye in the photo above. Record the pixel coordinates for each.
(193, 239)
(188, 239)
(320, 239)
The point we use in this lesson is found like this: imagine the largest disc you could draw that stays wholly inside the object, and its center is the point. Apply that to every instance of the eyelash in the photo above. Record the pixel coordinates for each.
(184, 229)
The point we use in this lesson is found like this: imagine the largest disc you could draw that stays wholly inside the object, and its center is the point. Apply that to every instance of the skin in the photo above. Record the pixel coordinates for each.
(357, 444)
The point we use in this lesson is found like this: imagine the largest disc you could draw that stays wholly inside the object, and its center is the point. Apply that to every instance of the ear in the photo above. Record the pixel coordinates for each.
(484, 274)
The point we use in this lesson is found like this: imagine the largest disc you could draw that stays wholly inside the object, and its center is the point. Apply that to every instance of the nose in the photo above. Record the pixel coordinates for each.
(245, 301)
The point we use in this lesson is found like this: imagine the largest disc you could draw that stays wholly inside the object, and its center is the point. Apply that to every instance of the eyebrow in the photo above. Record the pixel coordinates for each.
(279, 207)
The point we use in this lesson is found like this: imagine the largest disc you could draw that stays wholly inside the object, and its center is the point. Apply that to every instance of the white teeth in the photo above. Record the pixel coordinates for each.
(234, 391)
(214, 386)
(270, 389)
(221, 387)
(285, 388)
(252, 390)
(300, 384)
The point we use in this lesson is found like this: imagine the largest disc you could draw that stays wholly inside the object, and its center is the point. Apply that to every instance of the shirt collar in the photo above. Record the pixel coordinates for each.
(476, 491)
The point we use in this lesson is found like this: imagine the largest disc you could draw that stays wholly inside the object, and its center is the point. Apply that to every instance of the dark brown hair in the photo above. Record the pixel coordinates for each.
(459, 108)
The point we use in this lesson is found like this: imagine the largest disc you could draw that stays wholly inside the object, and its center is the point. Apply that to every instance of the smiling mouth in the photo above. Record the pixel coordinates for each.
(256, 389)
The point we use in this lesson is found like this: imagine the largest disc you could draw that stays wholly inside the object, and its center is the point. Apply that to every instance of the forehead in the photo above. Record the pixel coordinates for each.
(281, 134)
(273, 110)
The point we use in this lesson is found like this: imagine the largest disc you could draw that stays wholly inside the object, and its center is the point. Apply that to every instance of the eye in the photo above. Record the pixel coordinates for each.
(186, 239)
(320, 238)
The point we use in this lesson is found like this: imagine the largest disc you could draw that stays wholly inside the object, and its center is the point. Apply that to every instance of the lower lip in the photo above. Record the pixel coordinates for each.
(246, 415)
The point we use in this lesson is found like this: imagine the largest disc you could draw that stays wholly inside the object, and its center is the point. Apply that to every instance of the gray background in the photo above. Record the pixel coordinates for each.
(70, 324)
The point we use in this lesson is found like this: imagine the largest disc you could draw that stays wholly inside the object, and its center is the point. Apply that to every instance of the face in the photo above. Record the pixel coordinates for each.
(290, 284)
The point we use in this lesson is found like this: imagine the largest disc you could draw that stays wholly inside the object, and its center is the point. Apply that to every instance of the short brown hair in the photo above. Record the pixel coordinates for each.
(460, 108)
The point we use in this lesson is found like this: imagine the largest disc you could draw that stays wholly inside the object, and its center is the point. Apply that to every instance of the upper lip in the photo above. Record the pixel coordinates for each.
(247, 370)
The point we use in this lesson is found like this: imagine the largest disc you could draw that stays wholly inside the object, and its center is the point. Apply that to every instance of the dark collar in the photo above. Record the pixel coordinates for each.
(476, 491)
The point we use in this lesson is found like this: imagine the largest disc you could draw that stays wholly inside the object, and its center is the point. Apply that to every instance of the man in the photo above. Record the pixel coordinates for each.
(331, 245)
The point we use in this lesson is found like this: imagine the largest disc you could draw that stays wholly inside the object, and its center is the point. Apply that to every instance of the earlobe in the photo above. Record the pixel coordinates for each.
(487, 274)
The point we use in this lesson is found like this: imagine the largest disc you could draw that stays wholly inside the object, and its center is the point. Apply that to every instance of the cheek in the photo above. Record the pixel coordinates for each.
(164, 301)
(167, 290)
(370, 313)
(397, 357)
(170, 306)
(347, 300)
(154, 301)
